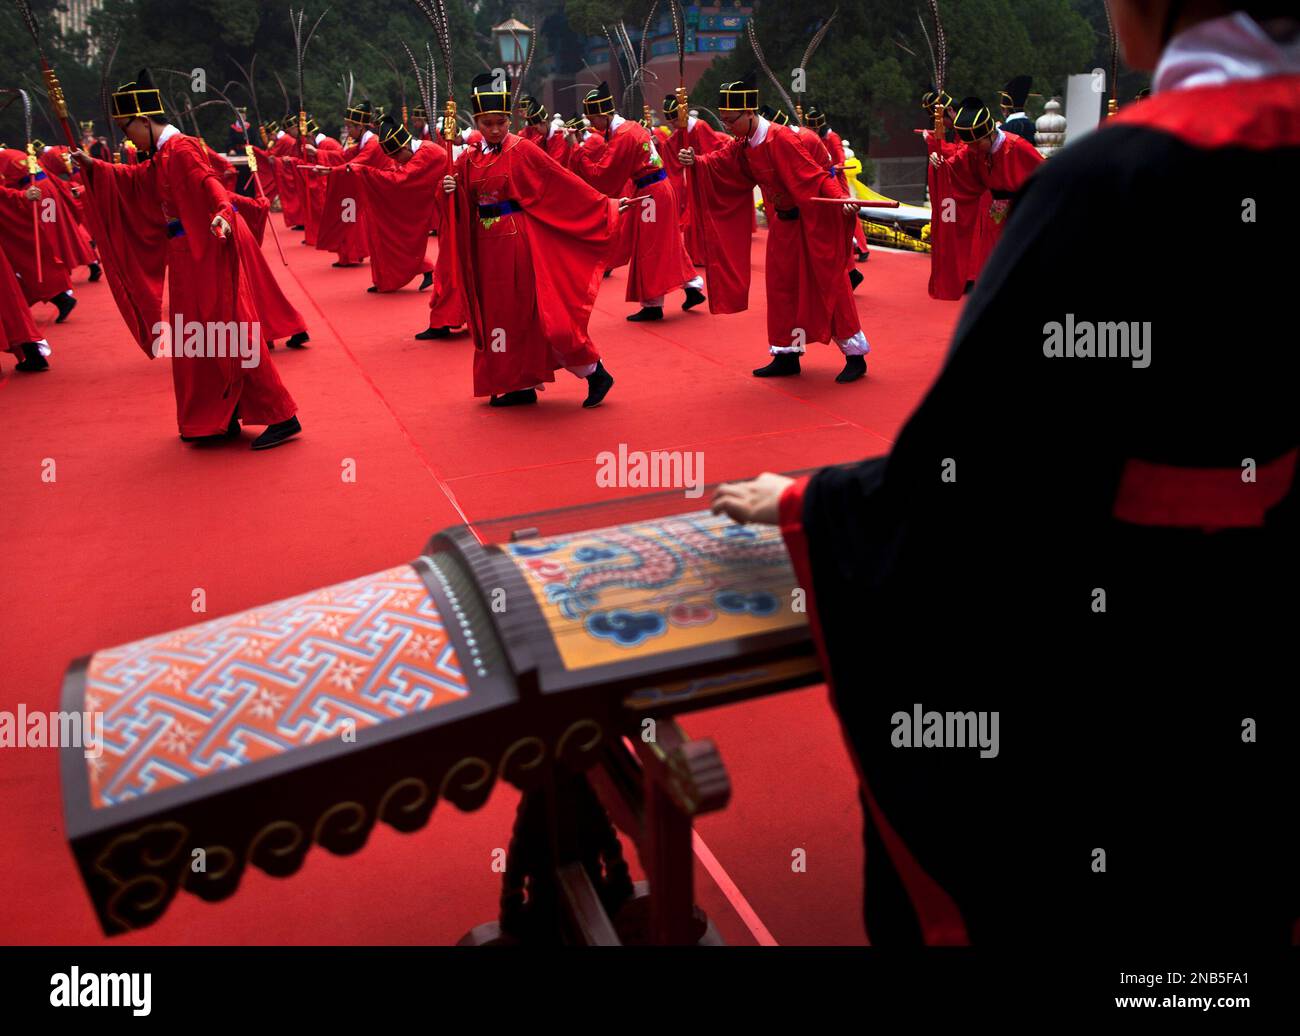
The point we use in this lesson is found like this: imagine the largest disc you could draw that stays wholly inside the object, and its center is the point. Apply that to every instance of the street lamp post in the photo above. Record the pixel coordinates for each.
(513, 39)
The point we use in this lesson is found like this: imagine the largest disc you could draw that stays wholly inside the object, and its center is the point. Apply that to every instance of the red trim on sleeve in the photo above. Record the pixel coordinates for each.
(1252, 113)
(940, 920)
(1204, 498)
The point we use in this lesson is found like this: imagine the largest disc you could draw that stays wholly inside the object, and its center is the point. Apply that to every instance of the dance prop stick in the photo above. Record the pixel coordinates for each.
(1112, 102)
(52, 88)
(679, 35)
(938, 62)
(767, 69)
(861, 203)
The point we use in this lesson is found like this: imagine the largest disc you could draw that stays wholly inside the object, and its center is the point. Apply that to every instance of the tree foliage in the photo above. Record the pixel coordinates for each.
(870, 68)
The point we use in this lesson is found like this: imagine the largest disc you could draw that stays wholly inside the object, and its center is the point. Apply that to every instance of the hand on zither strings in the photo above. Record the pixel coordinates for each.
(448, 184)
(758, 500)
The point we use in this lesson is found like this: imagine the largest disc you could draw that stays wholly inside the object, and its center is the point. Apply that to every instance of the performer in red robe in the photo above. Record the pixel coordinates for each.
(57, 209)
(543, 130)
(342, 221)
(1002, 161)
(278, 316)
(809, 298)
(171, 215)
(620, 151)
(531, 243)
(701, 138)
(1059, 509)
(398, 202)
(284, 154)
(955, 194)
(815, 119)
(20, 236)
(19, 331)
(311, 186)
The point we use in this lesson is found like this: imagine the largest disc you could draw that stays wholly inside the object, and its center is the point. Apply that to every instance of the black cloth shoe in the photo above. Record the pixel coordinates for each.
(95, 272)
(65, 304)
(647, 313)
(855, 367)
(782, 366)
(373, 288)
(275, 434)
(855, 278)
(599, 382)
(32, 359)
(520, 398)
(298, 227)
(433, 332)
(426, 281)
(693, 298)
(863, 256)
(608, 272)
(298, 341)
(345, 266)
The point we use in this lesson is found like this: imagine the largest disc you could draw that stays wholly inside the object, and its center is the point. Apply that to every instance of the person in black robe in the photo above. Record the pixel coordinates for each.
(1013, 99)
(1098, 547)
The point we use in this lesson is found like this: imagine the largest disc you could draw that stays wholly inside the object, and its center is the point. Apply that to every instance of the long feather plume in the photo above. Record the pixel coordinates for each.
(679, 34)
(29, 19)
(16, 94)
(284, 94)
(929, 46)
(436, 12)
(762, 62)
(300, 43)
(940, 47)
(528, 64)
(813, 44)
(105, 89)
(1113, 86)
(249, 85)
(421, 83)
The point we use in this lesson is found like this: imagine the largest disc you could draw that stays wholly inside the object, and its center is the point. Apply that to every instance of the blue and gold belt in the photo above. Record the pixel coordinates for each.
(174, 228)
(649, 178)
(28, 178)
(498, 209)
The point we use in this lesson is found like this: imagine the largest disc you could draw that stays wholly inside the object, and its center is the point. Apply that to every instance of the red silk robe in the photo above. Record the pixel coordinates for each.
(19, 238)
(16, 323)
(283, 153)
(338, 233)
(652, 226)
(955, 194)
(808, 297)
(1002, 172)
(206, 281)
(312, 188)
(399, 203)
(57, 208)
(835, 147)
(704, 139)
(530, 277)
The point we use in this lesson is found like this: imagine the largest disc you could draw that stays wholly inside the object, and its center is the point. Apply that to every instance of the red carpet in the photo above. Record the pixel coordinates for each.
(134, 522)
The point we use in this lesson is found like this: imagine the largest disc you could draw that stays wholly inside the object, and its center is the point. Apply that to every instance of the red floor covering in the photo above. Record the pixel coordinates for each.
(112, 549)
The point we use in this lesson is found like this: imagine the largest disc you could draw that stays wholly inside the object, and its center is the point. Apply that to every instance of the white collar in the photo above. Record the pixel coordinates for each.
(279, 134)
(691, 120)
(364, 137)
(167, 133)
(997, 142)
(415, 144)
(319, 137)
(1014, 115)
(615, 121)
(760, 132)
(1222, 50)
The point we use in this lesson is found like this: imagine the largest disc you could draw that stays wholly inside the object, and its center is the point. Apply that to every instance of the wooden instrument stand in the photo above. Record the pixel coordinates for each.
(566, 880)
